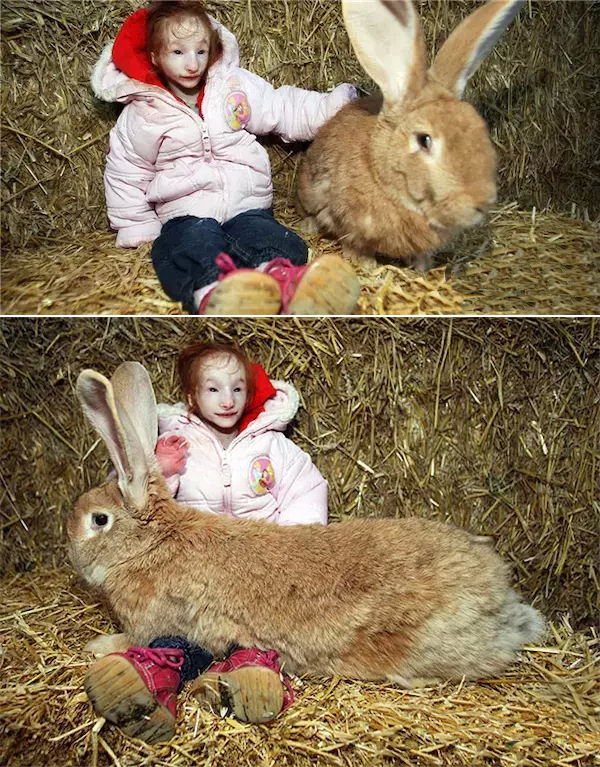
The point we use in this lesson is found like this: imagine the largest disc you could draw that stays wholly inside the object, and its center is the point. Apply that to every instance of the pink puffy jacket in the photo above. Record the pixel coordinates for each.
(260, 475)
(167, 161)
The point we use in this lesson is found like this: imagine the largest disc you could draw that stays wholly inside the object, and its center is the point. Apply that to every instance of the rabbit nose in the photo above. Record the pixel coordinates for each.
(492, 196)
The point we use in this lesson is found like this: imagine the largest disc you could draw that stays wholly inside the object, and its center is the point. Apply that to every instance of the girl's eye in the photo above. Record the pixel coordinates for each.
(212, 388)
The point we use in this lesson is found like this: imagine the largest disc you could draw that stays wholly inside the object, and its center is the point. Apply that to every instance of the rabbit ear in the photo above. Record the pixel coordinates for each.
(122, 425)
(471, 42)
(387, 39)
(135, 396)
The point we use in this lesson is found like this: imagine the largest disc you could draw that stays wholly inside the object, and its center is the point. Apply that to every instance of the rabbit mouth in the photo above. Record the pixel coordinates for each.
(459, 217)
(474, 216)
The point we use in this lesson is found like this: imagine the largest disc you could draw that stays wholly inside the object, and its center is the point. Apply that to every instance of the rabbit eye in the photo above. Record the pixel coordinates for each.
(100, 519)
(425, 141)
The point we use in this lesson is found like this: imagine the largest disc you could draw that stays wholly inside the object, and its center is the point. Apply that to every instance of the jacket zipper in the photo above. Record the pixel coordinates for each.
(207, 154)
(226, 469)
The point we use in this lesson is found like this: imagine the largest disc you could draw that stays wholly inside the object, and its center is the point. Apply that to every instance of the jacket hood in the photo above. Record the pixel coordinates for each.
(272, 407)
(124, 70)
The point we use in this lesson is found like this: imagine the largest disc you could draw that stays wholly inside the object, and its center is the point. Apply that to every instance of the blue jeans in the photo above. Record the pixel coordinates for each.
(185, 251)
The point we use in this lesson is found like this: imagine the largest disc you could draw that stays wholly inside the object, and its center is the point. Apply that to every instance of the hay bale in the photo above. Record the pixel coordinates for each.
(492, 424)
(542, 713)
(537, 90)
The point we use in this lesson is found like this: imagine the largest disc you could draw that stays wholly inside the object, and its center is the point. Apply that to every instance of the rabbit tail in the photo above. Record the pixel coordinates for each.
(520, 624)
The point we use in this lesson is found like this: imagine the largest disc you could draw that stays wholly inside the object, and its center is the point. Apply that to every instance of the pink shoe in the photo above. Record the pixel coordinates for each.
(248, 685)
(328, 285)
(137, 691)
(241, 291)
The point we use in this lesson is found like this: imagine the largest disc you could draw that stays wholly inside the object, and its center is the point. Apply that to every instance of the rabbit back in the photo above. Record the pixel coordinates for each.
(365, 599)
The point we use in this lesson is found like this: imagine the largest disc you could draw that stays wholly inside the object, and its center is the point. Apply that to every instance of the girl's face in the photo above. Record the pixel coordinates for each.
(220, 394)
(184, 56)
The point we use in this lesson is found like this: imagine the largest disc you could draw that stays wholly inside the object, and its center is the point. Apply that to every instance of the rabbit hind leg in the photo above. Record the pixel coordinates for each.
(366, 261)
(375, 656)
(309, 226)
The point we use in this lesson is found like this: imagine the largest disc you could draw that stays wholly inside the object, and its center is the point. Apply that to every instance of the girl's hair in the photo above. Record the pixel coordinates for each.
(193, 358)
(162, 13)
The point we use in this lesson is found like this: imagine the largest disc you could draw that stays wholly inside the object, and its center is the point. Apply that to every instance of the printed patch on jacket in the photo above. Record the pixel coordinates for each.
(262, 476)
(237, 110)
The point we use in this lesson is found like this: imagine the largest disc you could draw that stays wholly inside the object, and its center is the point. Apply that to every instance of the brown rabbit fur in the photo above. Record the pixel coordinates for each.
(402, 600)
(404, 180)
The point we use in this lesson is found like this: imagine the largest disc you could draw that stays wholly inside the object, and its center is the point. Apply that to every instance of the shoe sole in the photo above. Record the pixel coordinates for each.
(245, 293)
(253, 694)
(329, 286)
(120, 695)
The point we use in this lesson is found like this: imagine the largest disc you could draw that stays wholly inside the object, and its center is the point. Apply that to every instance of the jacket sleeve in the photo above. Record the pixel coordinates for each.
(301, 489)
(293, 113)
(130, 167)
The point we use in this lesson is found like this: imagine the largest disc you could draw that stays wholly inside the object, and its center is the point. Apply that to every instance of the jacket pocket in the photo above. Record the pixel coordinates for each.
(180, 181)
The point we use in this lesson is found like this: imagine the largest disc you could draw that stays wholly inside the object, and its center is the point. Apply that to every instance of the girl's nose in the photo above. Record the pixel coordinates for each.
(227, 401)
(191, 65)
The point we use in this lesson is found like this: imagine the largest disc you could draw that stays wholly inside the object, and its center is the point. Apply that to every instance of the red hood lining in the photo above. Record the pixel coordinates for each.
(129, 53)
(263, 391)
(129, 50)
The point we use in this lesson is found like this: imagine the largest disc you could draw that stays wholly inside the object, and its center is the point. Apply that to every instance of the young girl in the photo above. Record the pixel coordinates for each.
(185, 169)
(222, 451)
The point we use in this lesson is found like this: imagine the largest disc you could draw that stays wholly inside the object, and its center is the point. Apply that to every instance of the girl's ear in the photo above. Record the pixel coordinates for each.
(387, 39)
(153, 59)
(471, 42)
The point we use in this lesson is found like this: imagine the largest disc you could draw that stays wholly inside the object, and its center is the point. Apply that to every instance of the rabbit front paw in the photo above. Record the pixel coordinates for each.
(107, 643)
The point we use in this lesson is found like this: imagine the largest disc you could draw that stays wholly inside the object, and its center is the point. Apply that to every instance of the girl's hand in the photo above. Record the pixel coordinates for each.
(171, 453)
